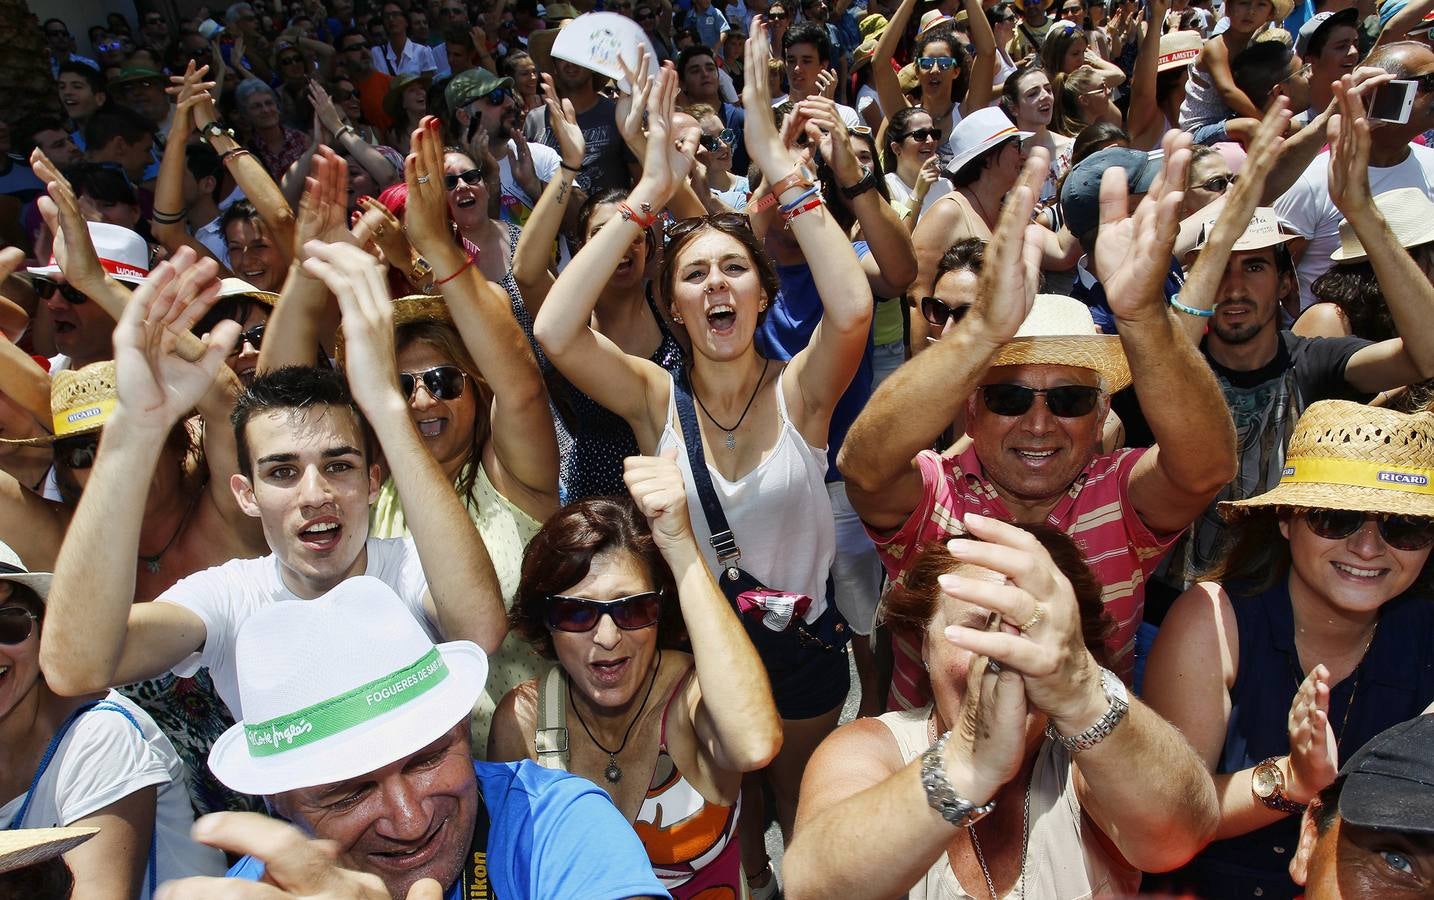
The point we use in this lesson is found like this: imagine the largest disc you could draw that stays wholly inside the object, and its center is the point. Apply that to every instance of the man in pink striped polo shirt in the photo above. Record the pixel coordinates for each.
(1029, 380)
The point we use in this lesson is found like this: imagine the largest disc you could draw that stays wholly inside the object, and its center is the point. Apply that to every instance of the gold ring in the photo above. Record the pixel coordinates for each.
(378, 232)
(1035, 617)
(422, 179)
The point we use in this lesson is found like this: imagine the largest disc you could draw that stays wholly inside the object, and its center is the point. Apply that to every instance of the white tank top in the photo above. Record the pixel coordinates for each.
(779, 512)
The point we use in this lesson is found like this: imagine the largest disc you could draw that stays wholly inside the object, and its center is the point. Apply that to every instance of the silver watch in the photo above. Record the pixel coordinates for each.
(939, 793)
(1119, 705)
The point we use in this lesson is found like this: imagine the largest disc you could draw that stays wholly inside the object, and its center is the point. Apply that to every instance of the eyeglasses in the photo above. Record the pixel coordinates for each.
(1069, 401)
(713, 141)
(935, 311)
(472, 176)
(1399, 532)
(340, 95)
(931, 63)
(76, 452)
(441, 382)
(922, 134)
(16, 625)
(108, 46)
(579, 614)
(1218, 184)
(253, 336)
(45, 289)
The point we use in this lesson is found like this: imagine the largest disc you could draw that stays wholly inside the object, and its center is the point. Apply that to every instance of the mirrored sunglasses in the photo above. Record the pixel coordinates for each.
(930, 63)
(713, 141)
(441, 382)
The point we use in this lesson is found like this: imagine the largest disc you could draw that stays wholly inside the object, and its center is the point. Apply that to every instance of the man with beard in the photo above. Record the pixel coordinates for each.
(485, 108)
(607, 162)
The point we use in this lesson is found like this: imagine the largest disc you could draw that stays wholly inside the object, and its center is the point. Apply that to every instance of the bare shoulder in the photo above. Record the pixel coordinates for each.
(858, 755)
(514, 720)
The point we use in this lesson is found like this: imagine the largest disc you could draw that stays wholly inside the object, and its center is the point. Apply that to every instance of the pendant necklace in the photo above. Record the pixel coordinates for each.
(613, 772)
(151, 563)
(732, 438)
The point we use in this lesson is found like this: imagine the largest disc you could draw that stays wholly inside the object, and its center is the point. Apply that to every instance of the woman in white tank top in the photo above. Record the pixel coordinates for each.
(764, 426)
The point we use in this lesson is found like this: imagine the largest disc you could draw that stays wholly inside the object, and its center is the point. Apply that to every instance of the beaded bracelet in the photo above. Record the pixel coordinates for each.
(812, 204)
(788, 207)
(645, 219)
(461, 269)
(1190, 310)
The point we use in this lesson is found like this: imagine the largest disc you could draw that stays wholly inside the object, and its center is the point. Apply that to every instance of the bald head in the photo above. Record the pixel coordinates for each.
(1402, 59)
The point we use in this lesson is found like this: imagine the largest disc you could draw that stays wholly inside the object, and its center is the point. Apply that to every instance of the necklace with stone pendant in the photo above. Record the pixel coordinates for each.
(613, 772)
(731, 441)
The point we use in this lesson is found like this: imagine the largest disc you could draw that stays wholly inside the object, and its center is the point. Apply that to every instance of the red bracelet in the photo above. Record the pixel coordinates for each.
(645, 219)
(461, 269)
(766, 202)
(810, 205)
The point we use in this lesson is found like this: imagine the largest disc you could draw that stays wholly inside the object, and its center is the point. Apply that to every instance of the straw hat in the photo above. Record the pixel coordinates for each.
(1059, 331)
(1177, 50)
(1410, 214)
(932, 19)
(979, 132)
(238, 287)
(314, 711)
(863, 54)
(873, 25)
(406, 310)
(28, 846)
(81, 401)
(1346, 455)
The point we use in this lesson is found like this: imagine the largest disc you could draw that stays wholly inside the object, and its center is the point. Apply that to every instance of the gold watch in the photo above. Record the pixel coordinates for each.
(1267, 782)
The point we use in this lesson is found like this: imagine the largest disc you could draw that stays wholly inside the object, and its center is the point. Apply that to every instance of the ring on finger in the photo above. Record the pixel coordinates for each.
(1036, 616)
(993, 667)
(422, 179)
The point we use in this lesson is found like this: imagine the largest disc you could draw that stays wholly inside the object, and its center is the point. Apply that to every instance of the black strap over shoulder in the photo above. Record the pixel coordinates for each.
(476, 883)
(723, 541)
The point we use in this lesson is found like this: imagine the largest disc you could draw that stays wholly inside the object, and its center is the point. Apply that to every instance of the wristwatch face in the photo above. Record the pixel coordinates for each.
(1264, 781)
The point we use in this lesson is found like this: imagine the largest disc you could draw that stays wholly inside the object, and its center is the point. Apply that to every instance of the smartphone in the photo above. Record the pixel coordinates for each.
(1392, 102)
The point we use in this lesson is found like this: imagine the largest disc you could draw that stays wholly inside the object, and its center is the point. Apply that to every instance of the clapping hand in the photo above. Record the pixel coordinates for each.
(563, 120)
(357, 280)
(1349, 153)
(426, 213)
(71, 246)
(1314, 756)
(1012, 272)
(323, 209)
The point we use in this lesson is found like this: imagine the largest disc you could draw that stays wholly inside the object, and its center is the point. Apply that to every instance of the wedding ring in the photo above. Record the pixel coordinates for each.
(993, 667)
(1035, 617)
(422, 179)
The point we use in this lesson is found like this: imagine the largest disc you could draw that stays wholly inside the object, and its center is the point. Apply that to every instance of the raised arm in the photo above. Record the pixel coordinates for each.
(1216, 59)
(525, 444)
(95, 635)
(535, 245)
(463, 593)
(920, 400)
(1143, 116)
(888, 87)
(21, 379)
(1195, 456)
(345, 138)
(253, 178)
(980, 86)
(169, 225)
(73, 250)
(1398, 26)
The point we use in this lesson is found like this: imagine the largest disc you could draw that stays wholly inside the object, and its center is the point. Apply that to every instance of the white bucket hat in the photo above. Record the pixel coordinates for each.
(1410, 214)
(340, 686)
(1059, 331)
(122, 253)
(12, 569)
(979, 132)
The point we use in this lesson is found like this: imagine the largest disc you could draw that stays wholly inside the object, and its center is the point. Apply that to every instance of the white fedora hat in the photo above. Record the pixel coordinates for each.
(1410, 214)
(979, 132)
(122, 253)
(1059, 331)
(12, 569)
(339, 686)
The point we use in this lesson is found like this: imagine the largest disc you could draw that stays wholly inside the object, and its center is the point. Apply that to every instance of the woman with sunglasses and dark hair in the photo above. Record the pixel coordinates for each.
(1314, 636)
(714, 152)
(763, 427)
(89, 761)
(488, 241)
(913, 167)
(606, 595)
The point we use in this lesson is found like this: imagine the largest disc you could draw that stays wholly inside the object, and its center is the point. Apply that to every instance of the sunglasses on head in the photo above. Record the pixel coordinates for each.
(721, 221)
(1399, 532)
(16, 625)
(922, 134)
(441, 382)
(1069, 401)
(579, 614)
(935, 311)
(45, 289)
(930, 63)
(472, 176)
(713, 141)
(253, 336)
(77, 452)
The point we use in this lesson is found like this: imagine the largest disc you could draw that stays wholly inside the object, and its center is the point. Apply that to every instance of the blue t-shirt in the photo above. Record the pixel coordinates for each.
(551, 835)
(787, 329)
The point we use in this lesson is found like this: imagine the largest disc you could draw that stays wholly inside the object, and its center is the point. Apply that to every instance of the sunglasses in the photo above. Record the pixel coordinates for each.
(1399, 532)
(776, 16)
(16, 625)
(290, 60)
(472, 176)
(931, 63)
(342, 96)
(347, 47)
(77, 452)
(935, 311)
(441, 382)
(108, 46)
(922, 134)
(45, 289)
(57, 34)
(1218, 184)
(579, 614)
(1069, 401)
(713, 141)
(253, 336)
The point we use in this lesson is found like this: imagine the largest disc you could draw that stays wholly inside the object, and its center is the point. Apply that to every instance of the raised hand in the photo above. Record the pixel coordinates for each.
(377, 223)
(835, 141)
(988, 738)
(1314, 757)
(188, 91)
(926, 178)
(764, 144)
(357, 280)
(631, 106)
(324, 108)
(563, 120)
(665, 164)
(426, 213)
(1012, 272)
(1349, 152)
(1133, 251)
(157, 385)
(323, 210)
(826, 84)
(655, 483)
(72, 248)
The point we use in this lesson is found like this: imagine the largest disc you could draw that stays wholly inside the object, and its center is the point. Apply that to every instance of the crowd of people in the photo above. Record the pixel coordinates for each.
(1026, 401)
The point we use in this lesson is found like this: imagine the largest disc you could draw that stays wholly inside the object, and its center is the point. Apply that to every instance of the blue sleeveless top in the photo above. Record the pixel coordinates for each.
(1393, 684)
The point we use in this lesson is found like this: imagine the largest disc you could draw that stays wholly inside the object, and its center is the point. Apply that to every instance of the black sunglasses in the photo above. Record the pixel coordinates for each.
(1069, 401)
(45, 289)
(441, 382)
(253, 336)
(341, 96)
(290, 60)
(579, 614)
(472, 176)
(1399, 532)
(713, 141)
(77, 452)
(922, 134)
(935, 311)
(16, 624)
(1218, 184)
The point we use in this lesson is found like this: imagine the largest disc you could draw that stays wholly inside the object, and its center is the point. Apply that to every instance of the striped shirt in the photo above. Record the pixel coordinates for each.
(1095, 512)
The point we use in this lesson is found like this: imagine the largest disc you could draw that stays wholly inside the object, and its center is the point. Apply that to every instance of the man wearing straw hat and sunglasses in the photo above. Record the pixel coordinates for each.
(1029, 379)
(368, 754)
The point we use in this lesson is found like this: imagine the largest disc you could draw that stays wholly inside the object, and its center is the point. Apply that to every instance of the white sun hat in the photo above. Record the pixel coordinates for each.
(340, 686)
(122, 253)
(1410, 214)
(979, 132)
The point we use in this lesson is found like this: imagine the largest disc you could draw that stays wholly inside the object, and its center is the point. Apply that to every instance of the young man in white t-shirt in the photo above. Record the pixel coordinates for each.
(306, 471)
